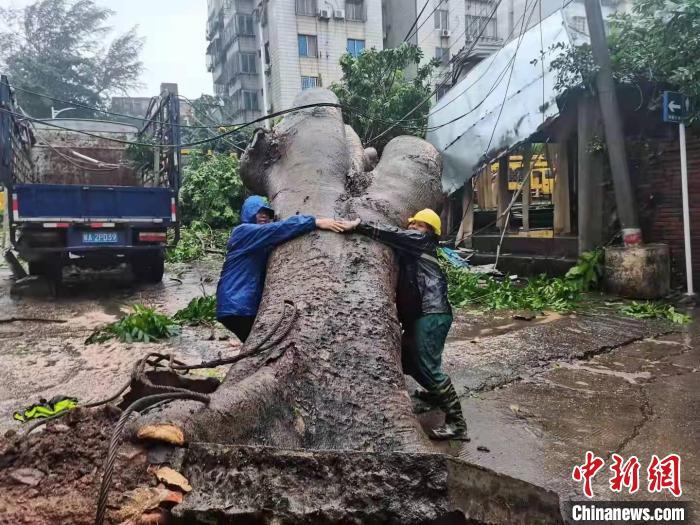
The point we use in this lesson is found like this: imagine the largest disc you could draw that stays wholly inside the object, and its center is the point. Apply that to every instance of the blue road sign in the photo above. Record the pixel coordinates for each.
(676, 106)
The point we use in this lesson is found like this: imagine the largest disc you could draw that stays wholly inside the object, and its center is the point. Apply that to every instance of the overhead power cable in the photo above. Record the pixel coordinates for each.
(512, 66)
(96, 109)
(426, 19)
(427, 99)
(517, 193)
(486, 70)
(185, 145)
(408, 34)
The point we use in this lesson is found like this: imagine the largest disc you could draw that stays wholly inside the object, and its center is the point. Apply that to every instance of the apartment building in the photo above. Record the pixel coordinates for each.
(233, 57)
(442, 29)
(263, 52)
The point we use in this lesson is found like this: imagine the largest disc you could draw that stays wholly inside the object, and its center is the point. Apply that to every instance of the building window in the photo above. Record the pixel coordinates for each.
(250, 100)
(355, 47)
(308, 46)
(355, 10)
(248, 63)
(579, 23)
(443, 55)
(267, 53)
(475, 24)
(306, 7)
(244, 25)
(309, 82)
(442, 19)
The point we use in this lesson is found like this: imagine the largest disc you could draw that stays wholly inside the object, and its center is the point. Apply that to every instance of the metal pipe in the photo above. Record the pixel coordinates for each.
(686, 210)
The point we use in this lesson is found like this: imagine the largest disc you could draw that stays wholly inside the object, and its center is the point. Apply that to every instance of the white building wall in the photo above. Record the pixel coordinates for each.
(287, 67)
(429, 37)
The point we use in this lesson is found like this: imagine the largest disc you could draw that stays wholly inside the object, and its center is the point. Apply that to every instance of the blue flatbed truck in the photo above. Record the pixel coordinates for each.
(79, 194)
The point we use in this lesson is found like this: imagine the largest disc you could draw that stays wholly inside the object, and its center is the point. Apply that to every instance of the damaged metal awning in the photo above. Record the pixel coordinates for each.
(470, 129)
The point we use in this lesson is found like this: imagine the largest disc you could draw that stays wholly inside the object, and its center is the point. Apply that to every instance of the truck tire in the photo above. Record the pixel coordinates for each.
(52, 270)
(148, 267)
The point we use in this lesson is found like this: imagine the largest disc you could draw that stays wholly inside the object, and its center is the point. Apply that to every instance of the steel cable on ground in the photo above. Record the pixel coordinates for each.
(172, 393)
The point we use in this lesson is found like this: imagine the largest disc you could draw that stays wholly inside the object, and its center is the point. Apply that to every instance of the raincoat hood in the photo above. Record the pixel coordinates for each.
(251, 206)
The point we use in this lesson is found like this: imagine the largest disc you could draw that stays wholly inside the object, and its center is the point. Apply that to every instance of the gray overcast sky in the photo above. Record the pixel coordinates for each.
(175, 43)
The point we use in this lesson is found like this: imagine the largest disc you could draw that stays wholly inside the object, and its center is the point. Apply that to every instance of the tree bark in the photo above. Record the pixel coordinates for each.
(335, 381)
(319, 429)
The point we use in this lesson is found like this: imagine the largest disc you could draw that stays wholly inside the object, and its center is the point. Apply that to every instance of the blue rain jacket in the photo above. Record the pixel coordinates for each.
(242, 278)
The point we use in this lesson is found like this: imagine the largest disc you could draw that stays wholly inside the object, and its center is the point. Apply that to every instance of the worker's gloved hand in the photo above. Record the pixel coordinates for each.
(44, 409)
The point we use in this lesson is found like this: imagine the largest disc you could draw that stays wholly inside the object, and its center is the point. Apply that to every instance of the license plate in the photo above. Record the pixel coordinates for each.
(100, 237)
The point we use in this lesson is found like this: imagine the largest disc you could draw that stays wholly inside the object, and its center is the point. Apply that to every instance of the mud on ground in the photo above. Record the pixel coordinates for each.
(536, 393)
(54, 476)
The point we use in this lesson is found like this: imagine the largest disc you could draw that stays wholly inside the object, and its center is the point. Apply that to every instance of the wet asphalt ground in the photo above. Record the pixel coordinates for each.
(537, 394)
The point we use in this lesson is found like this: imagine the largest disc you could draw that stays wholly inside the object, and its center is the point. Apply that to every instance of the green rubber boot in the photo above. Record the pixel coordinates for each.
(455, 426)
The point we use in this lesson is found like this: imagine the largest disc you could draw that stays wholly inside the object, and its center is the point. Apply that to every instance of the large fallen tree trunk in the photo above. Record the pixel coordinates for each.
(334, 381)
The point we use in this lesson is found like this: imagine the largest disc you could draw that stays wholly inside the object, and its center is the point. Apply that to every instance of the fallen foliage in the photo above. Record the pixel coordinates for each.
(654, 310)
(199, 311)
(466, 288)
(144, 325)
(196, 241)
(539, 293)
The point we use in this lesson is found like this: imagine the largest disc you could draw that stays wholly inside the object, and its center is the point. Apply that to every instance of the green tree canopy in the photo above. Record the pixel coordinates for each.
(376, 87)
(212, 190)
(657, 42)
(62, 48)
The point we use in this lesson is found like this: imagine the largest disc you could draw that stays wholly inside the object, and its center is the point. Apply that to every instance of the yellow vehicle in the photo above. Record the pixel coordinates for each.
(2, 203)
(541, 178)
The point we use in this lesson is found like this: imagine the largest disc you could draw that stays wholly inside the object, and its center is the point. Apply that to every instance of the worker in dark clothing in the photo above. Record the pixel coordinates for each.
(424, 312)
(242, 277)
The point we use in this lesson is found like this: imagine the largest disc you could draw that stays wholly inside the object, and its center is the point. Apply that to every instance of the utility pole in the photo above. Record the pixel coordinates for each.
(614, 135)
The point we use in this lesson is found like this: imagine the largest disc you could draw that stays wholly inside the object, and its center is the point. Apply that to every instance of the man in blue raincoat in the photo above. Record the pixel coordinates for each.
(242, 277)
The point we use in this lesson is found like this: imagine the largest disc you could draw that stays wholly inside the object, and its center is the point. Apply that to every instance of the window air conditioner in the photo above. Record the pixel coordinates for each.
(339, 14)
(324, 14)
(445, 33)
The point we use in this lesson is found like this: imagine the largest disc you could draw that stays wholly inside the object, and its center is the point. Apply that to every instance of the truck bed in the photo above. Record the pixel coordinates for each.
(80, 203)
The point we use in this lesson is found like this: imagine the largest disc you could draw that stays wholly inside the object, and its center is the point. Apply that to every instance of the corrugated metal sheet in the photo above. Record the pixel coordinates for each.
(469, 113)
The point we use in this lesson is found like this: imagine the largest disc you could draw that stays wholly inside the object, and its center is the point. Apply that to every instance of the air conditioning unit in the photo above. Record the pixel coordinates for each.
(339, 14)
(324, 14)
(268, 69)
(445, 33)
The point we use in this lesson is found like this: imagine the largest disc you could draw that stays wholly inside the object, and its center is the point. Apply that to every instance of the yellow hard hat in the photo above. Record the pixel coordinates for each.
(428, 216)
